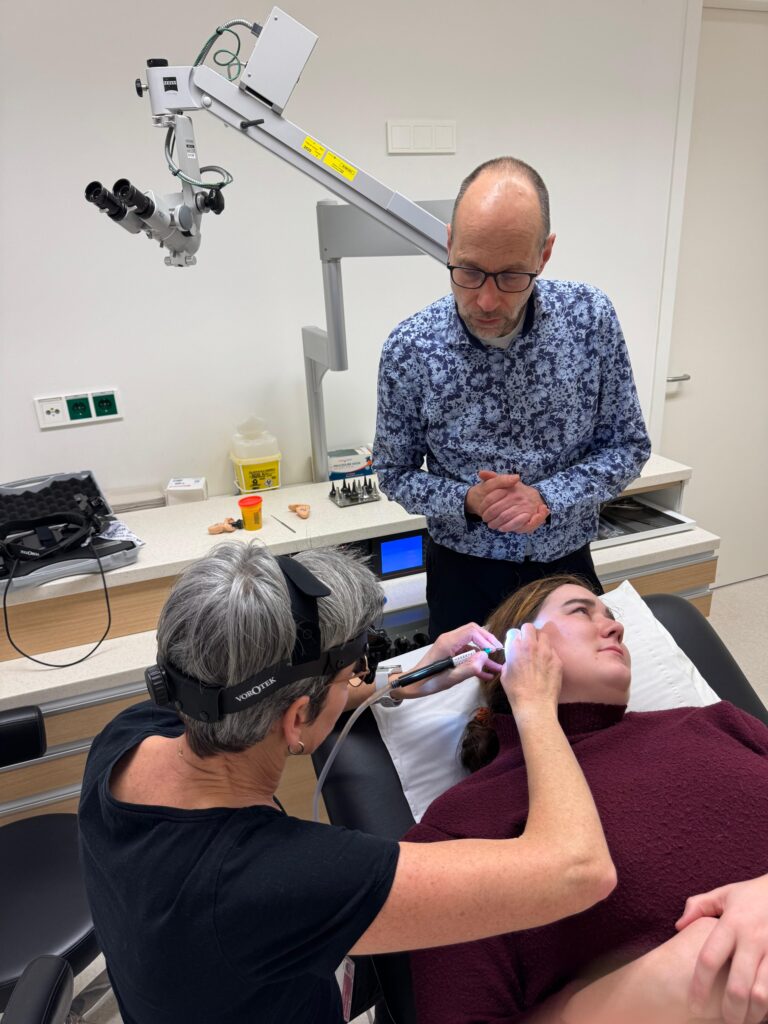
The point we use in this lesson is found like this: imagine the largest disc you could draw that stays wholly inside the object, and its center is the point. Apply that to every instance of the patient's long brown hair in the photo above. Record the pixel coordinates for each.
(480, 744)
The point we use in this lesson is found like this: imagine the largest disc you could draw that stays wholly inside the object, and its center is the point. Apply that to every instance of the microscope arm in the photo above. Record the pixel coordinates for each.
(202, 88)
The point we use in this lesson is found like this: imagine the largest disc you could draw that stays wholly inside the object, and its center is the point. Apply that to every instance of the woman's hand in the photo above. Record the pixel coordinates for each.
(741, 936)
(448, 645)
(532, 672)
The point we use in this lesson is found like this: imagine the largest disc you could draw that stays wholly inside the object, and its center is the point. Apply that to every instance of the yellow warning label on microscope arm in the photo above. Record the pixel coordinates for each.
(340, 166)
(313, 147)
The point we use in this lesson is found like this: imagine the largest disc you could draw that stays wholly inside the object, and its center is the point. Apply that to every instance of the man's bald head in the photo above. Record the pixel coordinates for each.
(500, 179)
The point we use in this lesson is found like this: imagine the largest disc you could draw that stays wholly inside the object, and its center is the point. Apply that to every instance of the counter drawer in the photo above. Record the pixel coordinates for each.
(67, 727)
(54, 771)
(695, 576)
(61, 622)
(67, 805)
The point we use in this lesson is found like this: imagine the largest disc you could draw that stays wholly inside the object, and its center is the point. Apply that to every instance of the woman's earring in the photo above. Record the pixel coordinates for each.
(296, 753)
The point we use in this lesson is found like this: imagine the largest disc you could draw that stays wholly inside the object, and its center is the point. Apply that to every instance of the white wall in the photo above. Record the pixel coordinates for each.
(585, 92)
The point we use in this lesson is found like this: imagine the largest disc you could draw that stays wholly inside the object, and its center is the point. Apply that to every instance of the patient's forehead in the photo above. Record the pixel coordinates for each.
(571, 596)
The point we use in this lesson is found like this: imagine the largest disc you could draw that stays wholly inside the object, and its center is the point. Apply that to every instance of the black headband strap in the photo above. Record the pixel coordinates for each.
(304, 590)
(209, 702)
(79, 529)
(8, 528)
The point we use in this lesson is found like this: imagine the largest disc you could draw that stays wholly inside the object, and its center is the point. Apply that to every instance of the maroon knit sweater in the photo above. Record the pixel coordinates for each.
(683, 798)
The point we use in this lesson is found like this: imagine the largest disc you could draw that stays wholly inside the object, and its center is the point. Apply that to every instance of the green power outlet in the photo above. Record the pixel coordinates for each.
(79, 407)
(105, 403)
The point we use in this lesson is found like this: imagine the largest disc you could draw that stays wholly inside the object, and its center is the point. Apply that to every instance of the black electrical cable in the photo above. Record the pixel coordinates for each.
(39, 661)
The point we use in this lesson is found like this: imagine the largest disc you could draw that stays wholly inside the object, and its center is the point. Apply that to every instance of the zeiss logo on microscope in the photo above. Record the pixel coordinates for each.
(170, 84)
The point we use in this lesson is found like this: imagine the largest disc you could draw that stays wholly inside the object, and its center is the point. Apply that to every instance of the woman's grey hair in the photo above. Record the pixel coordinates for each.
(229, 615)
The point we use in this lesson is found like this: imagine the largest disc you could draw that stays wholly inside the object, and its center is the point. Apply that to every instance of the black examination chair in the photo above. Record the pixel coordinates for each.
(44, 912)
(363, 789)
(43, 993)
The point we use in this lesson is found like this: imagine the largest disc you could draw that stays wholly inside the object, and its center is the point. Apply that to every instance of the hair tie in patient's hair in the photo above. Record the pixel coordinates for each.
(483, 716)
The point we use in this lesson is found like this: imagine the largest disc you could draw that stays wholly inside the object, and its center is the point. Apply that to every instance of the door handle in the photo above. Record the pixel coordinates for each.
(679, 377)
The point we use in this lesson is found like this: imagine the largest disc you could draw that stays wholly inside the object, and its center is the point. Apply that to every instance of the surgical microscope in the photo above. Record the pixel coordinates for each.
(251, 99)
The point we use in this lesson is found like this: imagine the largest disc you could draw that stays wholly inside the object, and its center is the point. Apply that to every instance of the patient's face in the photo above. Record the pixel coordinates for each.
(589, 642)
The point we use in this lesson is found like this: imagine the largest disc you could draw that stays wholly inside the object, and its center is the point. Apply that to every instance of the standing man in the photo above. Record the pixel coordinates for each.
(520, 394)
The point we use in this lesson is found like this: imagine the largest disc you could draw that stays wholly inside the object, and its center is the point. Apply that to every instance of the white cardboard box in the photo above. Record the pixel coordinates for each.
(182, 489)
(344, 463)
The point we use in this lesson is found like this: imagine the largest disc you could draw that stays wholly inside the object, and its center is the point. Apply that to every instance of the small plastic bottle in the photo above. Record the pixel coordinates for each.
(255, 454)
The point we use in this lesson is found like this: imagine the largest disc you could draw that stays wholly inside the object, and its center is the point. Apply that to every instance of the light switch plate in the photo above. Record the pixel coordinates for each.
(420, 135)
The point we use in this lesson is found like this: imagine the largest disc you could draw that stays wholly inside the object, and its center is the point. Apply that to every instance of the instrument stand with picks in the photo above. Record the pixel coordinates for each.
(354, 492)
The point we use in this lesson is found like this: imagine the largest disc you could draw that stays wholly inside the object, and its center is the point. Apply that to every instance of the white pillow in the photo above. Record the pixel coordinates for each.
(423, 736)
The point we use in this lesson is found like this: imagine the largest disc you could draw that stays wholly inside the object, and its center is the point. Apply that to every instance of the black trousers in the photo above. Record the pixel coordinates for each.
(464, 588)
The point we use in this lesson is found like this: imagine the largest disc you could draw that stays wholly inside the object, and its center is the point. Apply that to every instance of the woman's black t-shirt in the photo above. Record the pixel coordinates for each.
(229, 914)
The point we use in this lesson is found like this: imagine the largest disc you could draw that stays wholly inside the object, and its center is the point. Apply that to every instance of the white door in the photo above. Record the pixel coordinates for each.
(717, 422)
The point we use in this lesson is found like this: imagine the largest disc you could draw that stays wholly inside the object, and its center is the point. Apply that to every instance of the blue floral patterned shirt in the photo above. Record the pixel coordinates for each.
(559, 407)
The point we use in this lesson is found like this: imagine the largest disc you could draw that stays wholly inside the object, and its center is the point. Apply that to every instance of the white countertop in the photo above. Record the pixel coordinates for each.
(177, 535)
(116, 663)
(659, 470)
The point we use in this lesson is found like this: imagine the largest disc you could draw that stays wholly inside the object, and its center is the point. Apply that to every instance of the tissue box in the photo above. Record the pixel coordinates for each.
(348, 462)
(183, 489)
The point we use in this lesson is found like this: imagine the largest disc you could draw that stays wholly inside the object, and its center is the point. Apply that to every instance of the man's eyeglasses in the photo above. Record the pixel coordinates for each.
(505, 280)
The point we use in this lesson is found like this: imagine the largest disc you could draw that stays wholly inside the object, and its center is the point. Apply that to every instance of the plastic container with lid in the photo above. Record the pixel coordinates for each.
(250, 510)
(255, 455)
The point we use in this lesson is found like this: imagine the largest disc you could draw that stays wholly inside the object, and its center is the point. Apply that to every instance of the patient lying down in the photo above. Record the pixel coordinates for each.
(683, 798)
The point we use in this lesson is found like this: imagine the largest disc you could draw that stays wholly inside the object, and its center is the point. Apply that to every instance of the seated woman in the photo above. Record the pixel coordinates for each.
(210, 902)
(683, 797)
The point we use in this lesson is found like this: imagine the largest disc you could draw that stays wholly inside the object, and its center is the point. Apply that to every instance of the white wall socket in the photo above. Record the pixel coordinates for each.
(51, 412)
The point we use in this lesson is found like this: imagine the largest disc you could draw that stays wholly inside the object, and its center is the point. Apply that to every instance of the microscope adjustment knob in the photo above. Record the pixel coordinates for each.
(212, 200)
(185, 219)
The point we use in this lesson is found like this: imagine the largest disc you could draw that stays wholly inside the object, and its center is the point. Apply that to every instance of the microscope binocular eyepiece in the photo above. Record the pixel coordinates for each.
(105, 200)
(132, 197)
(114, 207)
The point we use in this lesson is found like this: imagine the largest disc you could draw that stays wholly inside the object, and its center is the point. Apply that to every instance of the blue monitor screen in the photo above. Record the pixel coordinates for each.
(401, 554)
